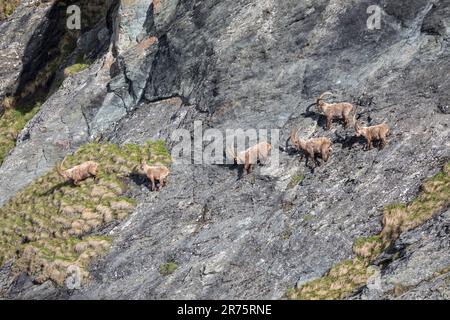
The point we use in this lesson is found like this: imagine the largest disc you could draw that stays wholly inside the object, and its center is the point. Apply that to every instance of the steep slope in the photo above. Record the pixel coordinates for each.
(251, 64)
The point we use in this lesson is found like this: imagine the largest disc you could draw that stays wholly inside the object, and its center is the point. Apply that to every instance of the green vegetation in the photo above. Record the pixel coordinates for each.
(338, 283)
(344, 278)
(369, 247)
(168, 268)
(7, 8)
(51, 225)
(296, 180)
(11, 123)
(158, 153)
(73, 69)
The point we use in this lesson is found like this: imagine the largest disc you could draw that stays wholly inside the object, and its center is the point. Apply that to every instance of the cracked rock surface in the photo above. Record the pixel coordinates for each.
(251, 64)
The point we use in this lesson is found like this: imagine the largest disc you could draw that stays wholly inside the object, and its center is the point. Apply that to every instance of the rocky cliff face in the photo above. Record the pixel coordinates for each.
(156, 67)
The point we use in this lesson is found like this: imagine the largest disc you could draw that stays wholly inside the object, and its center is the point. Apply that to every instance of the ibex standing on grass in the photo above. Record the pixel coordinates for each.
(251, 156)
(334, 110)
(312, 147)
(373, 133)
(155, 173)
(78, 173)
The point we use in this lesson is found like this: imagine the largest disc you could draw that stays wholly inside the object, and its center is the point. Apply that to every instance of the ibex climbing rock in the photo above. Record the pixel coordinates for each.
(251, 156)
(155, 173)
(316, 146)
(332, 111)
(374, 133)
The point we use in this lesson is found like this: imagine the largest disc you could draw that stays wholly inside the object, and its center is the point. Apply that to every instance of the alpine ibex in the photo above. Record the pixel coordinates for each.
(251, 156)
(373, 133)
(155, 173)
(78, 173)
(332, 111)
(312, 147)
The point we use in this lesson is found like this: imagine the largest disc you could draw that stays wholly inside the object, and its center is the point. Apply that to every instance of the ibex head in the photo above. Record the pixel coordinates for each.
(296, 141)
(356, 125)
(143, 164)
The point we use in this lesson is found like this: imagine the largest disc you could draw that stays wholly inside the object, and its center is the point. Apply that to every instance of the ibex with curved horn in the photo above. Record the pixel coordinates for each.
(78, 173)
(332, 111)
(251, 156)
(378, 132)
(312, 147)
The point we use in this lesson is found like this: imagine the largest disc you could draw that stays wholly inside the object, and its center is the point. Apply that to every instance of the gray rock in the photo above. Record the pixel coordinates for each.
(422, 268)
(444, 108)
(19, 35)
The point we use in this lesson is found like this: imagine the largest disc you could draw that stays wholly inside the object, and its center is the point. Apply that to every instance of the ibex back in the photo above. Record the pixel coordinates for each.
(251, 156)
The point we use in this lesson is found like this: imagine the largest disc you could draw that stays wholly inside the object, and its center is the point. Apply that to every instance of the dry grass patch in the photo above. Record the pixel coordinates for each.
(8, 102)
(368, 248)
(338, 283)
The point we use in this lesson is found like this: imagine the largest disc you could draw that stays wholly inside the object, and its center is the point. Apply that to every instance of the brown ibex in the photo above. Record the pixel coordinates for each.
(78, 173)
(251, 156)
(155, 173)
(312, 147)
(332, 111)
(373, 133)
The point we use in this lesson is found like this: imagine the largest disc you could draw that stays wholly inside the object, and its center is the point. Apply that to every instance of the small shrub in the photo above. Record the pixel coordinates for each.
(296, 180)
(168, 268)
(8, 102)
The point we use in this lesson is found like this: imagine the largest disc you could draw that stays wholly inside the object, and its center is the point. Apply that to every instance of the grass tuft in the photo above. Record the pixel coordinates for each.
(296, 180)
(368, 248)
(73, 69)
(168, 268)
(12, 122)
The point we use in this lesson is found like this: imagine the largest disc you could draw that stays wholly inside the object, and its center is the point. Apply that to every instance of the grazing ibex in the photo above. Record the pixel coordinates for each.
(155, 173)
(373, 133)
(251, 156)
(312, 147)
(332, 111)
(78, 173)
